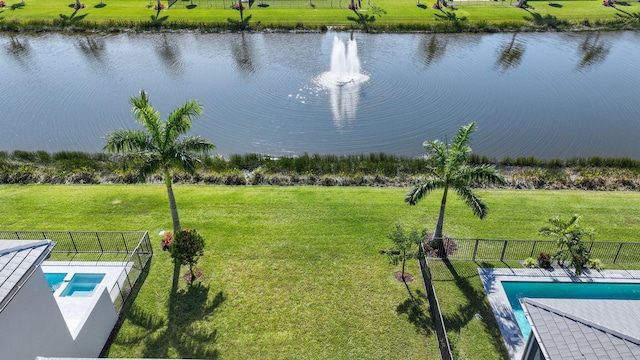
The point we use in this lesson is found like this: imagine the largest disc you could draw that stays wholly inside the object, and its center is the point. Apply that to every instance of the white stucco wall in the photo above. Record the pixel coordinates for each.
(32, 324)
(94, 331)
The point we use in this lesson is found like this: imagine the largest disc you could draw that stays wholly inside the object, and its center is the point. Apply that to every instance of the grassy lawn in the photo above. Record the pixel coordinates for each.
(322, 13)
(295, 272)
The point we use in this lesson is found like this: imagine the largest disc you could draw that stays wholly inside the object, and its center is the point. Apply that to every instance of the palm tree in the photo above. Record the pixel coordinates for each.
(449, 169)
(161, 147)
(569, 235)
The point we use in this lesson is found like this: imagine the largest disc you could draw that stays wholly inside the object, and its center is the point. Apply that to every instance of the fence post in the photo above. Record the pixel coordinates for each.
(504, 248)
(618, 253)
(99, 243)
(73, 242)
(533, 248)
(125, 243)
(475, 250)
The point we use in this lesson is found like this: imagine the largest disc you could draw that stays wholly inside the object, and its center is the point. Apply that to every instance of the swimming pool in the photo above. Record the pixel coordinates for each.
(82, 284)
(55, 280)
(515, 290)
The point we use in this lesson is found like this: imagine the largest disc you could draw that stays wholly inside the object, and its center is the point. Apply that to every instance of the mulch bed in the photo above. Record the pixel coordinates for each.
(407, 277)
(187, 275)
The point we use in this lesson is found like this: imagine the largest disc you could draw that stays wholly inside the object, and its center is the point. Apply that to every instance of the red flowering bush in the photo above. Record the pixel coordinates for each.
(166, 241)
(159, 7)
(2, 4)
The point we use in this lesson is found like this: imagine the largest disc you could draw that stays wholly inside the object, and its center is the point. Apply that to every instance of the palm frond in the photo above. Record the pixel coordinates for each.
(423, 189)
(146, 115)
(462, 138)
(179, 121)
(476, 204)
(124, 141)
(195, 144)
(481, 174)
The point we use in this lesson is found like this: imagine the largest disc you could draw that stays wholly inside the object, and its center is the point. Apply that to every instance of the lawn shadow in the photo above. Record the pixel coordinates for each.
(416, 309)
(72, 18)
(476, 303)
(422, 6)
(191, 6)
(555, 5)
(100, 6)
(627, 14)
(449, 16)
(129, 311)
(17, 6)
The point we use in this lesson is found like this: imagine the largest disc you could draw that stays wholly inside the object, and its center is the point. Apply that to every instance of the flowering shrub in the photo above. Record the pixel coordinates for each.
(353, 7)
(167, 240)
(159, 7)
(544, 260)
(237, 7)
(2, 4)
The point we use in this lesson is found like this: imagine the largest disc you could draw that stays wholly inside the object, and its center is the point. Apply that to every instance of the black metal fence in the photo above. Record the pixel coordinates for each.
(609, 252)
(434, 310)
(131, 250)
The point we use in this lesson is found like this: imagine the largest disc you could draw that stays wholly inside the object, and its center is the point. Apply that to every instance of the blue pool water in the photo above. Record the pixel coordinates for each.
(55, 280)
(82, 284)
(516, 290)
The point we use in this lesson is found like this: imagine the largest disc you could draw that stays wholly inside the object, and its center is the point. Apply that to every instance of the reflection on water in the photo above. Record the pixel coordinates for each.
(510, 55)
(593, 51)
(243, 55)
(169, 53)
(433, 49)
(93, 48)
(19, 50)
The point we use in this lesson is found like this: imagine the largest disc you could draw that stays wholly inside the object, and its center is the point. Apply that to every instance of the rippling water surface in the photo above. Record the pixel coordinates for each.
(544, 95)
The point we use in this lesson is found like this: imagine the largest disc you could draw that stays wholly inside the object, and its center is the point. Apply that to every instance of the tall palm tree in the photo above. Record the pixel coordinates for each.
(448, 168)
(162, 146)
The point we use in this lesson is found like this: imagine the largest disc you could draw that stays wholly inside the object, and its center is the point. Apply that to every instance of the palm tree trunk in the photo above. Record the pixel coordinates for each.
(437, 242)
(404, 278)
(172, 203)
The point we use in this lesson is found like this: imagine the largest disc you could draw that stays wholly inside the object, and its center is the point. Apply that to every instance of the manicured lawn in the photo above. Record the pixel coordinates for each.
(326, 12)
(295, 272)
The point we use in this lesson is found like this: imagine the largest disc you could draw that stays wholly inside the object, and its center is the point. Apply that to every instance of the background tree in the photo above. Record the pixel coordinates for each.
(186, 249)
(448, 169)
(162, 146)
(406, 245)
(569, 235)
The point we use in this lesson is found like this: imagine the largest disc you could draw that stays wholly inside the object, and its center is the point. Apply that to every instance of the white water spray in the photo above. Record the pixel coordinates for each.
(343, 80)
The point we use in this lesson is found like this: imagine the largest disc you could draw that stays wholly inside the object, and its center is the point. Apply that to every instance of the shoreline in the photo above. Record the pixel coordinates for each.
(373, 170)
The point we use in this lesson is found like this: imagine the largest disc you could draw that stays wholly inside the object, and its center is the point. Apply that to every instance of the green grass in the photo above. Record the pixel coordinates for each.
(295, 272)
(295, 14)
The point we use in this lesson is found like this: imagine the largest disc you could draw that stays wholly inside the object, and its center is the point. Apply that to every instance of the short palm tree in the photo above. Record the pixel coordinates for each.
(569, 235)
(162, 146)
(449, 168)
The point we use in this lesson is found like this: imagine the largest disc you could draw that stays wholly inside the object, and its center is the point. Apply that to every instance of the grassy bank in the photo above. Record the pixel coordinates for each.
(379, 15)
(295, 272)
(21, 167)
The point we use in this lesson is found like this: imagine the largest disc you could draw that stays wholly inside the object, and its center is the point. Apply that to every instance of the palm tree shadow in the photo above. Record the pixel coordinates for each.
(73, 17)
(416, 310)
(627, 14)
(476, 303)
(183, 333)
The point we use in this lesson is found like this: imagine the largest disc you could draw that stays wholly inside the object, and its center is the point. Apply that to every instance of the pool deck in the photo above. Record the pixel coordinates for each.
(74, 309)
(491, 280)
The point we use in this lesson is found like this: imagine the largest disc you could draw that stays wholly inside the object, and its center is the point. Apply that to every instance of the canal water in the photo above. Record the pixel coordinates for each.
(549, 95)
